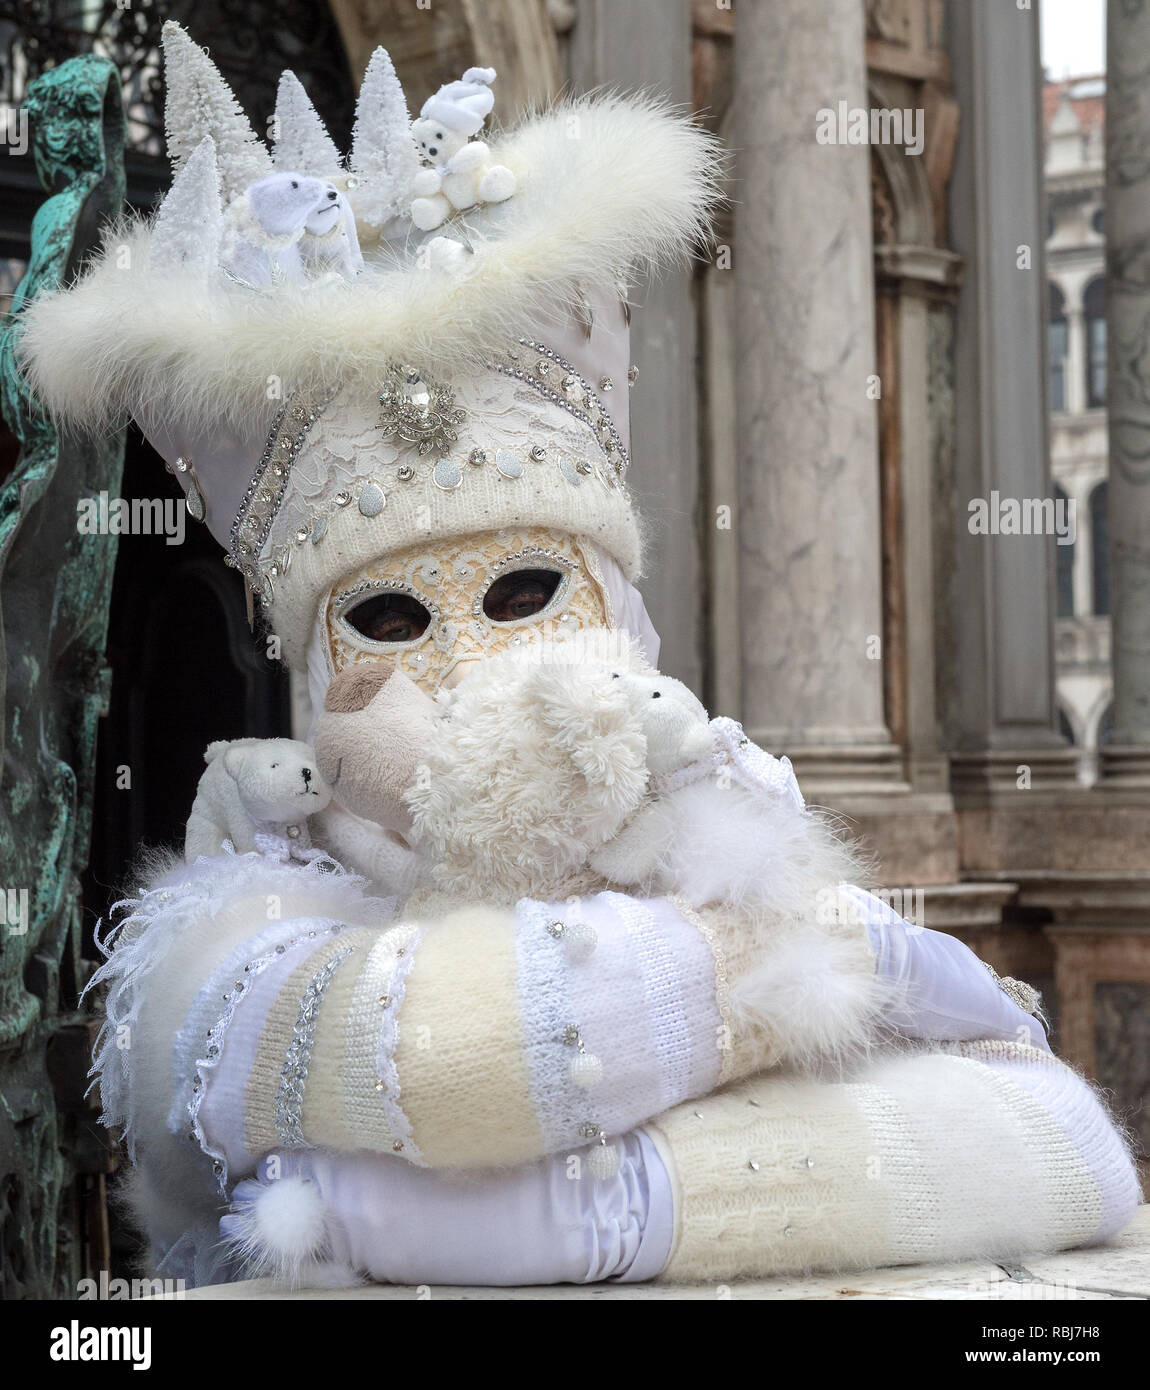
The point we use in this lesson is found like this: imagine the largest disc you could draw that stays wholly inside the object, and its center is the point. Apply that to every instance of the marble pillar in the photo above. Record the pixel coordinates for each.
(1002, 713)
(1127, 759)
(1075, 365)
(808, 514)
(626, 47)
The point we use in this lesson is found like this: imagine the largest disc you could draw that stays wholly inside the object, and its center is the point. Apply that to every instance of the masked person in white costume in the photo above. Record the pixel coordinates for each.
(328, 1081)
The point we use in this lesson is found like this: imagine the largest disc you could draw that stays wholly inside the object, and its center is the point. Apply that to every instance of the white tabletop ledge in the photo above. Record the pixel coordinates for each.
(1120, 1270)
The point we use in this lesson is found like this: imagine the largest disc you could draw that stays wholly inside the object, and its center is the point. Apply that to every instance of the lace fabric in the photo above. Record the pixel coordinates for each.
(450, 580)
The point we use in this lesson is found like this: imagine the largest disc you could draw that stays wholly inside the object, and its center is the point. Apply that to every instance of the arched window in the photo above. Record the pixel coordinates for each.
(1100, 545)
(1065, 563)
(1064, 726)
(1057, 334)
(1094, 308)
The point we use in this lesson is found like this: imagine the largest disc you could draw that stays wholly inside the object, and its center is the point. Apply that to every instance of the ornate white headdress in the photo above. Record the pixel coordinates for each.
(327, 382)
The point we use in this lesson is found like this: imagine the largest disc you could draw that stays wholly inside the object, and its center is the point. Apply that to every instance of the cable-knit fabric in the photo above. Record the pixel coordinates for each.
(970, 1150)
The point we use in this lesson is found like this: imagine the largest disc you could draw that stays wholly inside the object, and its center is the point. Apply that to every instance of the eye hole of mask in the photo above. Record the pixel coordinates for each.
(389, 618)
(520, 594)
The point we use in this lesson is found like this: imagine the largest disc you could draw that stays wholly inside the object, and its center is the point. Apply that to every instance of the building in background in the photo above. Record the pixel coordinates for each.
(1075, 121)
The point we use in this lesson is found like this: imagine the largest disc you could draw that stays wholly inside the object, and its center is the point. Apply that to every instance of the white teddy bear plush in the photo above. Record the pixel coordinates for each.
(460, 171)
(559, 768)
(256, 793)
(286, 225)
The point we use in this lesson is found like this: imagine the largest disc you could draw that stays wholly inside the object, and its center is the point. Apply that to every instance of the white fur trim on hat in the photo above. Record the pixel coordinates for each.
(632, 193)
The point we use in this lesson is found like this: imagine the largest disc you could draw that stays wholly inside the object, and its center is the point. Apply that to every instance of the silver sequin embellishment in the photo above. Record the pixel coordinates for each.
(446, 474)
(372, 500)
(293, 1077)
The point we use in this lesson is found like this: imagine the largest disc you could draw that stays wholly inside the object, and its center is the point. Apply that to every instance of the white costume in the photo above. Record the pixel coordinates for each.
(397, 1088)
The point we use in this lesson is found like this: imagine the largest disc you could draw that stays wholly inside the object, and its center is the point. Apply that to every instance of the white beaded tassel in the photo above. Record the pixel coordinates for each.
(603, 1160)
(579, 941)
(586, 1070)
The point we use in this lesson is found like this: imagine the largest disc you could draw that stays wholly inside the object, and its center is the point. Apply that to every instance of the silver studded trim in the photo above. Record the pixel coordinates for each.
(293, 1076)
(555, 378)
(264, 495)
(243, 978)
(1028, 999)
(406, 939)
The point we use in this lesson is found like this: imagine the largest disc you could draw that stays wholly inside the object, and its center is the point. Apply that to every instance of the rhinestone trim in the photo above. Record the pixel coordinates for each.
(1028, 999)
(521, 560)
(576, 396)
(347, 600)
(265, 493)
(215, 1037)
(293, 1077)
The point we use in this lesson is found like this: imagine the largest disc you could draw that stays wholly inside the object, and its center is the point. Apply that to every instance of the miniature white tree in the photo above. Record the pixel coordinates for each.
(301, 139)
(187, 231)
(383, 153)
(201, 103)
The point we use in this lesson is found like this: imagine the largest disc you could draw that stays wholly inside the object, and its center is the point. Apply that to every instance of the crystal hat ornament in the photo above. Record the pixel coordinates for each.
(328, 382)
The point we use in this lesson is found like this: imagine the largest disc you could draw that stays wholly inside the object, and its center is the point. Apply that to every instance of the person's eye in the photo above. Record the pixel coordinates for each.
(389, 618)
(520, 595)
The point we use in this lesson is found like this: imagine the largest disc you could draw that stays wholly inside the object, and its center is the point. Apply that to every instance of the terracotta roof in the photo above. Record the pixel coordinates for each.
(1090, 109)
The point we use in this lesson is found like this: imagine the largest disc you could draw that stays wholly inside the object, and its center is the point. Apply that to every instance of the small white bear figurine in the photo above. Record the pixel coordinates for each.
(256, 793)
(283, 224)
(330, 243)
(460, 173)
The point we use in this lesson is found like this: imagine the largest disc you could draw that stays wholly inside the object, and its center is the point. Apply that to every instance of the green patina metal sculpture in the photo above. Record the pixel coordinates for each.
(55, 588)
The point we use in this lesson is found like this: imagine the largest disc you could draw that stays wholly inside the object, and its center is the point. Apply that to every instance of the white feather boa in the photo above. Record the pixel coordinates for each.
(608, 186)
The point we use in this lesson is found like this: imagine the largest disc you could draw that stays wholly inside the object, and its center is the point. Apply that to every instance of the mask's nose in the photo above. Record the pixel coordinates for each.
(459, 672)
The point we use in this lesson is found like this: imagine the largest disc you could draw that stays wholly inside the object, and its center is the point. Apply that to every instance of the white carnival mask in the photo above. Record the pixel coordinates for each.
(431, 609)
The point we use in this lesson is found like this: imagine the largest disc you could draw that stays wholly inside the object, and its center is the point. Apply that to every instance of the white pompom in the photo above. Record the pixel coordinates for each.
(280, 1228)
(580, 940)
(586, 1070)
(603, 1161)
(496, 185)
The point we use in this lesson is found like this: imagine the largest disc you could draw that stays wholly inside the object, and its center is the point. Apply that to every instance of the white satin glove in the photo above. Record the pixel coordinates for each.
(548, 1222)
(943, 989)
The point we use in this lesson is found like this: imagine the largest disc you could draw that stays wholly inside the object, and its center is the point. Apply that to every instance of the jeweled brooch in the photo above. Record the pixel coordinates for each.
(419, 411)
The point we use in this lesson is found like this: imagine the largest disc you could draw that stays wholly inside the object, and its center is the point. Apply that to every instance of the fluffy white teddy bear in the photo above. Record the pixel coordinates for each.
(556, 769)
(460, 171)
(288, 226)
(256, 793)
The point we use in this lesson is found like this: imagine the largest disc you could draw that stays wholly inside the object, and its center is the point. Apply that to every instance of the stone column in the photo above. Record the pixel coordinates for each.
(1126, 760)
(1075, 365)
(1003, 717)
(628, 47)
(808, 516)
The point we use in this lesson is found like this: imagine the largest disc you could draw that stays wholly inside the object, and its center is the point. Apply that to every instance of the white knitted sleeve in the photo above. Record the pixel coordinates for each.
(479, 1038)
